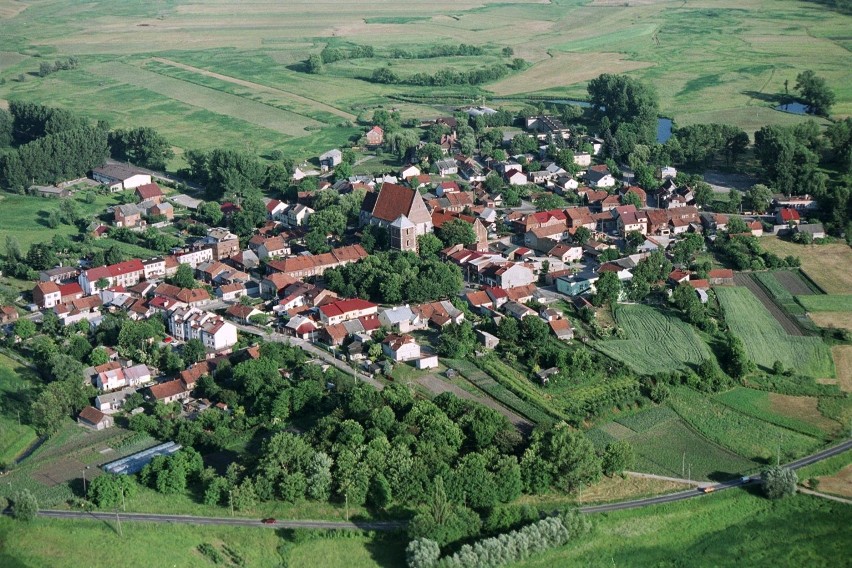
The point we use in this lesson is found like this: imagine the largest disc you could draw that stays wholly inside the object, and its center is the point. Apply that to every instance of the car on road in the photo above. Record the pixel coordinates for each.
(268, 521)
(745, 479)
(708, 489)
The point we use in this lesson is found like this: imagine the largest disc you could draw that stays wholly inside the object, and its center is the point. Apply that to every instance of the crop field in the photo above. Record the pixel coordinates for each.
(797, 413)
(252, 90)
(743, 434)
(827, 265)
(766, 341)
(666, 445)
(658, 342)
(15, 391)
(843, 361)
(826, 302)
(711, 532)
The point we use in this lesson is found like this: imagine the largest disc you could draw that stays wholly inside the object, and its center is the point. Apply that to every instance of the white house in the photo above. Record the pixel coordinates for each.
(401, 347)
(401, 319)
(191, 323)
(276, 247)
(297, 215)
(330, 159)
(120, 176)
(515, 177)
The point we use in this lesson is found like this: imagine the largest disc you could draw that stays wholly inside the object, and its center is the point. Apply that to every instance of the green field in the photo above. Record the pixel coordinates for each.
(61, 544)
(666, 445)
(766, 341)
(657, 342)
(734, 528)
(759, 404)
(15, 391)
(743, 434)
(826, 302)
(718, 61)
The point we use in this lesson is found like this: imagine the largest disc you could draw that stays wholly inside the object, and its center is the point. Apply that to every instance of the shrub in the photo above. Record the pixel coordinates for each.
(24, 505)
(779, 482)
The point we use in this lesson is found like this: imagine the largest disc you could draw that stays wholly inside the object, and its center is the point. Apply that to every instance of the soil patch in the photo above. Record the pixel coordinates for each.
(802, 408)
(838, 484)
(843, 364)
(839, 320)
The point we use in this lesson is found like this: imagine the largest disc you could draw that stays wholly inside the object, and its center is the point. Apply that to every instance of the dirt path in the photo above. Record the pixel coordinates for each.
(438, 386)
(742, 279)
(825, 496)
(258, 87)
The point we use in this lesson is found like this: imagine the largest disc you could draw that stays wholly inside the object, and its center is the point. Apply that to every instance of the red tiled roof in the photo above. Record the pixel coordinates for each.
(721, 273)
(149, 190)
(345, 306)
(70, 289)
(788, 214)
(168, 389)
(393, 200)
(92, 415)
(703, 284)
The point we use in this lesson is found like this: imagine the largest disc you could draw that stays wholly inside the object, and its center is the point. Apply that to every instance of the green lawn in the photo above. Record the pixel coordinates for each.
(758, 404)
(734, 528)
(15, 392)
(766, 341)
(657, 342)
(826, 302)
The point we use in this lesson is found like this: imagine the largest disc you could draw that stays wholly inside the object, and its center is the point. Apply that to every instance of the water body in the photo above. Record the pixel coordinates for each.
(794, 108)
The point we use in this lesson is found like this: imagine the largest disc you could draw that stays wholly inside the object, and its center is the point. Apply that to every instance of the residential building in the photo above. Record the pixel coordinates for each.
(599, 176)
(297, 215)
(215, 333)
(149, 192)
(303, 266)
(170, 391)
(46, 294)
(276, 247)
(127, 215)
(400, 347)
(330, 159)
(124, 274)
(375, 136)
(344, 310)
(92, 418)
(401, 319)
(224, 243)
(59, 274)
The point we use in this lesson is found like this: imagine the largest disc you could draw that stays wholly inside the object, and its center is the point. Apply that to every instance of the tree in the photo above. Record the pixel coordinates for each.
(457, 341)
(314, 64)
(184, 277)
(443, 521)
(25, 328)
(815, 92)
(758, 197)
(617, 457)
(109, 490)
(559, 457)
(630, 108)
(429, 245)
(193, 351)
(422, 553)
(210, 213)
(98, 356)
(582, 235)
(24, 505)
(779, 481)
(457, 232)
(143, 146)
(608, 289)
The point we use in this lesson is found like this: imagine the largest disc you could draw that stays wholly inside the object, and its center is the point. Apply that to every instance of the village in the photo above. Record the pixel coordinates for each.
(516, 261)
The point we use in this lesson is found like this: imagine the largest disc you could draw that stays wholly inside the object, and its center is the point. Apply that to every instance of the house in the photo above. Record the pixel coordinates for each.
(153, 209)
(409, 171)
(515, 177)
(667, 172)
(330, 160)
(92, 418)
(302, 327)
(721, 277)
(399, 209)
(583, 159)
(222, 242)
(401, 319)
(170, 391)
(756, 228)
(508, 275)
(598, 177)
(517, 311)
(447, 167)
(303, 266)
(185, 323)
(127, 215)
(52, 192)
(576, 284)
(149, 192)
(439, 314)
(400, 347)
(487, 340)
(815, 230)
(344, 310)
(630, 220)
(120, 176)
(562, 329)
(46, 294)
(566, 253)
(297, 215)
(58, 274)
(787, 216)
(231, 292)
(276, 247)
(375, 136)
(241, 313)
(113, 401)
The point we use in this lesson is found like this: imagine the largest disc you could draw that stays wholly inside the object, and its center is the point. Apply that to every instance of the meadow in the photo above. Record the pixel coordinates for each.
(826, 302)
(734, 527)
(797, 413)
(657, 342)
(827, 265)
(213, 74)
(764, 339)
(15, 391)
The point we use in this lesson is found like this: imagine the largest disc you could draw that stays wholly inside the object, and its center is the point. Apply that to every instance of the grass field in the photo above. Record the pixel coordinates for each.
(731, 528)
(826, 302)
(766, 341)
(747, 435)
(15, 389)
(67, 543)
(840, 320)
(842, 355)
(235, 77)
(797, 413)
(658, 342)
(666, 445)
(827, 265)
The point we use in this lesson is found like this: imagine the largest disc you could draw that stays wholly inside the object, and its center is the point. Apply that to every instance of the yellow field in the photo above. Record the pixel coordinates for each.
(827, 265)
(838, 484)
(840, 320)
(842, 355)
(802, 408)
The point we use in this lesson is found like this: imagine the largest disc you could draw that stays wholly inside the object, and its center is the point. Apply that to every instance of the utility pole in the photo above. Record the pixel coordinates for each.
(683, 464)
(85, 493)
(118, 521)
(123, 502)
(231, 501)
(347, 505)
(689, 479)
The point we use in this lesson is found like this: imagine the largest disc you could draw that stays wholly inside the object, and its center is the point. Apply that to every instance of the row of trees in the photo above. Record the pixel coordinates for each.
(443, 77)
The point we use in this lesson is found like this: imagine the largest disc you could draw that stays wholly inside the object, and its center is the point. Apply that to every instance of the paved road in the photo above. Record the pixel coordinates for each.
(186, 519)
(395, 525)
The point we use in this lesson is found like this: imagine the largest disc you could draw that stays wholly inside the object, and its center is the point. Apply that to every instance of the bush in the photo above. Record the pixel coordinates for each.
(422, 553)
(24, 505)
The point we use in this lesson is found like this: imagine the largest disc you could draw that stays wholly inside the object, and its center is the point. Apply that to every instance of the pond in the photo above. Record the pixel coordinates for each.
(794, 108)
(664, 129)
